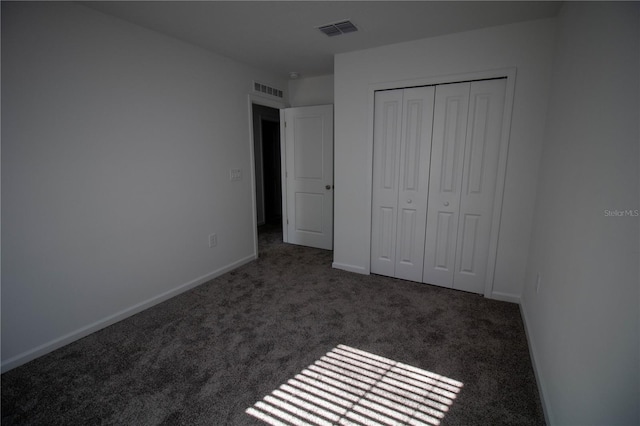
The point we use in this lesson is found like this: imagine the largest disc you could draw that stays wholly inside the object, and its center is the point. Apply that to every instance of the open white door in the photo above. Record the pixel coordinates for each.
(309, 175)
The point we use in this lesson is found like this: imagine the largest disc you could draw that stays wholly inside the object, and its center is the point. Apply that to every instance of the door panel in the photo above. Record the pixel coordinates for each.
(390, 143)
(309, 175)
(452, 137)
(469, 239)
(309, 208)
(445, 184)
(386, 232)
(415, 154)
(407, 235)
(308, 147)
(442, 245)
(402, 133)
(386, 152)
(486, 108)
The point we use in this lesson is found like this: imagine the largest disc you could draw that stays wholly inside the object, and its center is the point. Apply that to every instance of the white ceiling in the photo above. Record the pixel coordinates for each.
(282, 36)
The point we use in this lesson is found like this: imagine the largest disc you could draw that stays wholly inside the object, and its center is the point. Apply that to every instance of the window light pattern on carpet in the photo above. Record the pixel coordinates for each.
(349, 386)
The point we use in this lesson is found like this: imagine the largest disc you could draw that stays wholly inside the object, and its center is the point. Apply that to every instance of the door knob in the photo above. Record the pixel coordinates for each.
(409, 201)
(327, 187)
(446, 203)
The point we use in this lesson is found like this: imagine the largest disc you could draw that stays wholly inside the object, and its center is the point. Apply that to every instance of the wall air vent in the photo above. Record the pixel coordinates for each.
(267, 90)
(338, 28)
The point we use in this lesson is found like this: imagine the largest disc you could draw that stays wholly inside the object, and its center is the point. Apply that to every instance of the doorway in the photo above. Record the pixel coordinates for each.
(272, 173)
(268, 177)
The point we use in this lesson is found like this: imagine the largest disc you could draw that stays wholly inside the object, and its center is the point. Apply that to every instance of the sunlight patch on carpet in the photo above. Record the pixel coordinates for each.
(349, 386)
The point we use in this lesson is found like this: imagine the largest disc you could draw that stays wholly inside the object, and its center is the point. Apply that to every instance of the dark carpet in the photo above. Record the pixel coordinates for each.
(207, 355)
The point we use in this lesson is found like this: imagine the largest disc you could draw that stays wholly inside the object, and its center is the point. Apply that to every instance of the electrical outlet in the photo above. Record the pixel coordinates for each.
(213, 240)
(538, 283)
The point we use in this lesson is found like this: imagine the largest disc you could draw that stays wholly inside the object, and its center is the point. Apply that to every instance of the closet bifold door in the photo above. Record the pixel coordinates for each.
(402, 143)
(386, 153)
(479, 174)
(445, 182)
(464, 165)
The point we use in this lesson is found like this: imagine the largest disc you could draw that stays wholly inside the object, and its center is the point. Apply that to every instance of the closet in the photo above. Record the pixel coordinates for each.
(436, 152)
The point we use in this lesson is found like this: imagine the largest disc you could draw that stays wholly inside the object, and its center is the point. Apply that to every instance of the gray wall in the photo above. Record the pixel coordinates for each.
(311, 91)
(583, 321)
(116, 149)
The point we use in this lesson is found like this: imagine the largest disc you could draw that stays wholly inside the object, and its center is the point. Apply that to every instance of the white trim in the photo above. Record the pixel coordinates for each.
(261, 100)
(546, 407)
(59, 342)
(510, 74)
(443, 79)
(252, 176)
(258, 158)
(283, 176)
(261, 117)
(371, 100)
(505, 297)
(350, 268)
(501, 177)
(258, 100)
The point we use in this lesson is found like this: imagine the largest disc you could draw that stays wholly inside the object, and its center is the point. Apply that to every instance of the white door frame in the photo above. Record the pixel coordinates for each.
(259, 154)
(259, 100)
(283, 176)
(510, 74)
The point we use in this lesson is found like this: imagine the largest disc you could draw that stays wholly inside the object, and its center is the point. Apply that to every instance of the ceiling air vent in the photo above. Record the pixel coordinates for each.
(267, 90)
(338, 28)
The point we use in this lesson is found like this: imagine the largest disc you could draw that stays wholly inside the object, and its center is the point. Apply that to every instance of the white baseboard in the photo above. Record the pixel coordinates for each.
(505, 297)
(350, 268)
(532, 353)
(59, 342)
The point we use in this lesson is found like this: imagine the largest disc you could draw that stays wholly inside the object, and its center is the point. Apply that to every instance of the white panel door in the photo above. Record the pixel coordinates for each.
(402, 136)
(445, 182)
(479, 174)
(309, 175)
(415, 154)
(387, 134)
